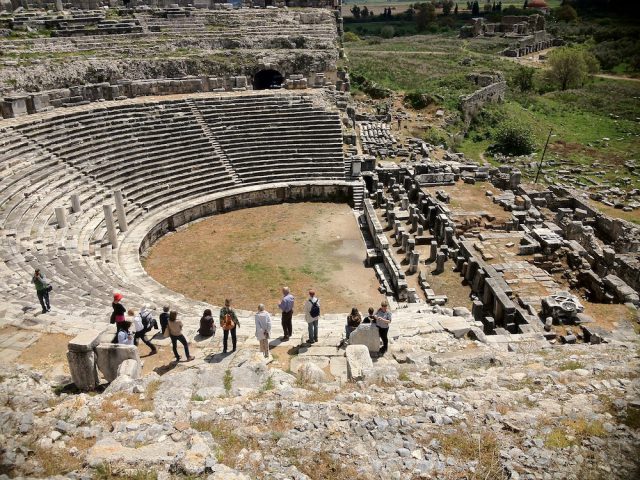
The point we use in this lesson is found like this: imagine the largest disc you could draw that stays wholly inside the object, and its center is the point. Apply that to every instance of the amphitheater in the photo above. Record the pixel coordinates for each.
(512, 343)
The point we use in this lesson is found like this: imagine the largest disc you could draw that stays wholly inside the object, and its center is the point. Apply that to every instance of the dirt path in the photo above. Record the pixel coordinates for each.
(421, 52)
(249, 254)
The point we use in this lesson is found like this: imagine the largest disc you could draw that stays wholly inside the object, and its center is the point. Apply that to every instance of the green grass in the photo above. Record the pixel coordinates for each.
(571, 365)
(228, 381)
(580, 118)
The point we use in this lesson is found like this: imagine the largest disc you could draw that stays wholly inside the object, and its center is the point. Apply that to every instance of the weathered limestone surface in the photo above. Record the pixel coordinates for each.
(358, 361)
(110, 356)
(367, 335)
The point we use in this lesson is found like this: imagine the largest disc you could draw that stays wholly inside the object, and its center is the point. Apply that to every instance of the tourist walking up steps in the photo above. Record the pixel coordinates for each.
(229, 322)
(142, 323)
(383, 319)
(175, 332)
(42, 290)
(263, 329)
(117, 316)
(312, 315)
(286, 306)
(353, 320)
(207, 325)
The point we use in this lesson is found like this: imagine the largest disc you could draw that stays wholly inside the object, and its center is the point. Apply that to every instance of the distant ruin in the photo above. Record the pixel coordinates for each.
(527, 32)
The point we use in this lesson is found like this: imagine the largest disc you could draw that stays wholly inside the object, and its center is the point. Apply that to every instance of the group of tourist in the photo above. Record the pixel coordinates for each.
(132, 327)
(380, 319)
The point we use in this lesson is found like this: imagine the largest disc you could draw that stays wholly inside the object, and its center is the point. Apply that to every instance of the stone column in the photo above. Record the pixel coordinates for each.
(122, 216)
(75, 203)
(82, 360)
(414, 261)
(433, 251)
(404, 202)
(440, 259)
(448, 235)
(356, 167)
(111, 226)
(61, 217)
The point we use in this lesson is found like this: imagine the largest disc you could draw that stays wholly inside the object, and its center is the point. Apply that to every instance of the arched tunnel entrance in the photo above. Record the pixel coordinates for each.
(265, 79)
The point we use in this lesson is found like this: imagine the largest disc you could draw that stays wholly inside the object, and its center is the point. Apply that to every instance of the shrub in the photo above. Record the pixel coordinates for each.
(523, 78)
(351, 37)
(418, 100)
(565, 13)
(387, 31)
(436, 137)
(513, 139)
(570, 66)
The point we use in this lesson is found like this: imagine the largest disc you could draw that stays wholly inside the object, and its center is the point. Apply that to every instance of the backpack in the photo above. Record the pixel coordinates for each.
(227, 322)
(144, 317)
(315, 309)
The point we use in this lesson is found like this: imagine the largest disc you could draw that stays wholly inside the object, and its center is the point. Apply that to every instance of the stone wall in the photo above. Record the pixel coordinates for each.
(18, 105)
(471, 104)
(252, 198)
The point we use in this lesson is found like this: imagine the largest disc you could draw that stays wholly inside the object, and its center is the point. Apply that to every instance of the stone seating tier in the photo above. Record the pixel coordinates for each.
(157, 154)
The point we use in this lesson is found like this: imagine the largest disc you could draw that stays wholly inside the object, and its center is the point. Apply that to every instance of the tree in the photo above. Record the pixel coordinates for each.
(355, 11)
(566, 13)
(455, 10)
(425, 14)
(365, 12)
(523, 78)
(447, 5)
(475, 8)
(387, 31)
(569, 67)
(514, 139)
(525, 4)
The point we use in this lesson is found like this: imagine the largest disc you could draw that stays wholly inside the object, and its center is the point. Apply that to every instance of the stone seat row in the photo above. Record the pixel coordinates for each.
(79, 254)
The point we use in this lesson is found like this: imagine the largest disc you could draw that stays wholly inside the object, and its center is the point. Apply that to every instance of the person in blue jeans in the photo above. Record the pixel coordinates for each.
(312, 315)
(42, 290)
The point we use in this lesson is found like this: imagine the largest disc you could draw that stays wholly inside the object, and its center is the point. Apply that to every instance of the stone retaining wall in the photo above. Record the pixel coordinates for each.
(252, 198)
(471, 104)
(18, 105)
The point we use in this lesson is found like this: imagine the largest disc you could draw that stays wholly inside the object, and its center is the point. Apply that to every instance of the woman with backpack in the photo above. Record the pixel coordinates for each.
(229, 322)
(207, 325)
(312, 315)
(175, 332)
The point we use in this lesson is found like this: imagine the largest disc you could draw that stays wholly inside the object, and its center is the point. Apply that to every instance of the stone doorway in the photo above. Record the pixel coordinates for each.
(266, 79)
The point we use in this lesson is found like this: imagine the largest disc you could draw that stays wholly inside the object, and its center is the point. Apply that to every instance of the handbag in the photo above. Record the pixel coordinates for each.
(49, 288)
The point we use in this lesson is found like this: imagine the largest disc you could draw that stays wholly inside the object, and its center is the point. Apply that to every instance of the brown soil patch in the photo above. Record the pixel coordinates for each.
(467, 198)
(249, 254)
(563, 148)
(633, 216)
(607, 316)
(48, 351)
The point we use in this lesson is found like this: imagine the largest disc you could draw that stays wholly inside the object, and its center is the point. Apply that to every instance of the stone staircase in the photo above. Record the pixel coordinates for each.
(214, 143)
(358, 196)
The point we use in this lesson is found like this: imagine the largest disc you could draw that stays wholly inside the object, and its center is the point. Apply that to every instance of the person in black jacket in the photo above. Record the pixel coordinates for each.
(164, 318)
(118, 315)
(207, 324)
